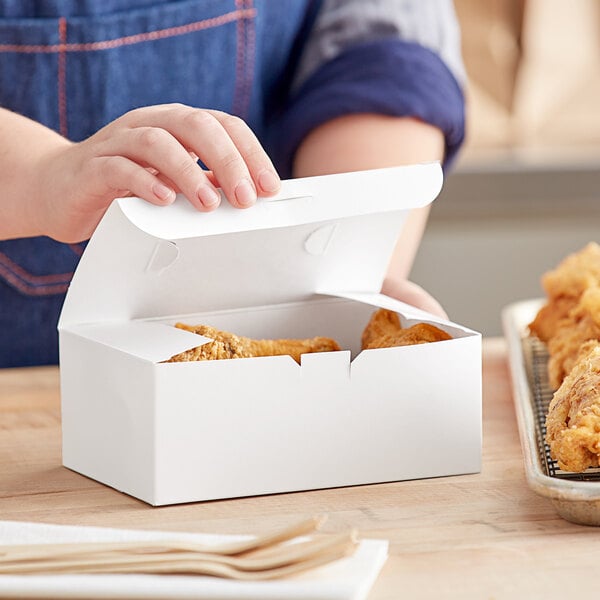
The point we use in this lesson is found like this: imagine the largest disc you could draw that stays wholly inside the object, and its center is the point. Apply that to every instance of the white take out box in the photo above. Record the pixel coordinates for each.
(309, 262)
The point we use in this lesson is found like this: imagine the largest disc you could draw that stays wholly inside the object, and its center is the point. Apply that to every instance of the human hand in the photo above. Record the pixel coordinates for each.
(150, 152)
(413, 294)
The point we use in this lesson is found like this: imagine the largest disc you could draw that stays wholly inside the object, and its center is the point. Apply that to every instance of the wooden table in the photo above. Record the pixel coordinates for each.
(475, 536)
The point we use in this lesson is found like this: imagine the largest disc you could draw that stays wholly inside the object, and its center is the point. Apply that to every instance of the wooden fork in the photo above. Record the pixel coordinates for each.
(38, 551)
(265, 557)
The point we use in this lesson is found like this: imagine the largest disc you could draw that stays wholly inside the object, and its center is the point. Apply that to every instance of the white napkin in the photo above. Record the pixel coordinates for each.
(346, 579)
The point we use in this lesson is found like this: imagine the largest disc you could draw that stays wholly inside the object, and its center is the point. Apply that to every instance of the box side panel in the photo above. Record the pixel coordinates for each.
(107, 408)
(427, 407)
(258, 426)
(248, 426)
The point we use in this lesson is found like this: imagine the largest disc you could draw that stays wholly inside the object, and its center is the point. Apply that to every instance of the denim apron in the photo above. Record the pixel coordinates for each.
(76, 65)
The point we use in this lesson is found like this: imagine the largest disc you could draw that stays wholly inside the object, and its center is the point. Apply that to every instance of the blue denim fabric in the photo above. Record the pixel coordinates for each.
(77, 65)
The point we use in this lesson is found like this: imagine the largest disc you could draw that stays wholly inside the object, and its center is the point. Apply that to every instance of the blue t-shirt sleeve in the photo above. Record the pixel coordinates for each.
(387, 76)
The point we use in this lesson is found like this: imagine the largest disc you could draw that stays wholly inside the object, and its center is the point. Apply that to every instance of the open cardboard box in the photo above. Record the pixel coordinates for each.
(308, 262)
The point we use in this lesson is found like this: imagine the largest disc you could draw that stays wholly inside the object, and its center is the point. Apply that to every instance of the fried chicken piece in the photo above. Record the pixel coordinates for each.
(420, 333)
(548, 318)
(573, 420)
(224, 345)
(574, 274)
(228, 345)
(569, 323)
(384, 331)
(382, 323)
(564, 286)
(582, 325)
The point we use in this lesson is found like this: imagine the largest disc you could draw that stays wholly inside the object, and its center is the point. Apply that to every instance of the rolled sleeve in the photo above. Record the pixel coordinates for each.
(388, 77)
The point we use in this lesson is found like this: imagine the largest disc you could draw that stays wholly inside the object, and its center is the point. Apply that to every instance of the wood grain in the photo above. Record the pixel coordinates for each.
(475, 536)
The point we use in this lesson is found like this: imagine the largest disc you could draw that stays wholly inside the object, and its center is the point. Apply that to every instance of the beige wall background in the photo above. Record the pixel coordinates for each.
(526, 190)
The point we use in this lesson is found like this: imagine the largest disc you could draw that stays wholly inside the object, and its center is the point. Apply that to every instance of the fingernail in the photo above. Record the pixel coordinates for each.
(244, 193)
(268, 181)
(208, 197)
(162, 192)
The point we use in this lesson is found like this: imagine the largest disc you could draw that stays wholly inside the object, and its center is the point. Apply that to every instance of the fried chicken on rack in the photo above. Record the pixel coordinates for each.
(564, 286)
(569, 324)
(228, 345)
(548, 318)
(573, 420)
(582, 325)
(384, 331)
(574, 274)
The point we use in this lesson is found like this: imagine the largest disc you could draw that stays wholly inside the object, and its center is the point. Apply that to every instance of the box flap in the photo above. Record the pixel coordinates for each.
(333, 232)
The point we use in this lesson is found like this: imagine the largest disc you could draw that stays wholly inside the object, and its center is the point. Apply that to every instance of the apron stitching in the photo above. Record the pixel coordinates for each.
(77, 249)
(244, 15)
(31, 290)
(239, 59)
(62, 77)
(128, 40)
(250, 58)
(28, 278)
(244, 58)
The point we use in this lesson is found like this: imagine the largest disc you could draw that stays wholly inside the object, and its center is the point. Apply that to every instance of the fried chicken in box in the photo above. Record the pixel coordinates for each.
(228, 345)
(384, 331)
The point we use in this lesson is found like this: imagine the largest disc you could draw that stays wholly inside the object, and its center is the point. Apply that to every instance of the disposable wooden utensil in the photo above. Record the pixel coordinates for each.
(229, 572)
(40, 551)
(264, 560)
(278, 556)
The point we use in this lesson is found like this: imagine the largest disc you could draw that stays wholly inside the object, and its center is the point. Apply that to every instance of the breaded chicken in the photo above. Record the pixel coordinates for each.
(381, 324)
(573, 421)
(548, 318)
(228, 345)
(384, 331)
(574, 274)
(564, 286)
(582, 325)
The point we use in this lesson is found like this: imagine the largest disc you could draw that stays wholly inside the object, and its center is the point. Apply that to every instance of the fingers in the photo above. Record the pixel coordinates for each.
(259, 164)
(201, 132)
(162, 153)
(224, 143)
(117, 175)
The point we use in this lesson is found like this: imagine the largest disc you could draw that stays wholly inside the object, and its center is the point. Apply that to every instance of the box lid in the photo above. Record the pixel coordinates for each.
(325, 234)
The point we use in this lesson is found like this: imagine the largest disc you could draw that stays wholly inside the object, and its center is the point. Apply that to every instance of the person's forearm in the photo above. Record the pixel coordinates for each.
(366, 141)
(22, 143)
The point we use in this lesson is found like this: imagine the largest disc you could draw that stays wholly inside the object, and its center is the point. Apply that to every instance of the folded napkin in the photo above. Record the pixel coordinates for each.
(346, 579)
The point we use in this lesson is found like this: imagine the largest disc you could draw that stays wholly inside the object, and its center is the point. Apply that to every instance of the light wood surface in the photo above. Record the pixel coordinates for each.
(474, 536)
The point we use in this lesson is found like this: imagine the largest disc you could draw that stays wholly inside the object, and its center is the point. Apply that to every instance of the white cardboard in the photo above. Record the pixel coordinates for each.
(176, 260)
(180, 432)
